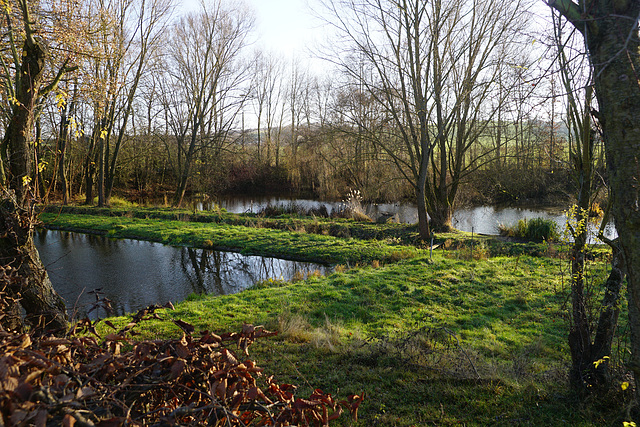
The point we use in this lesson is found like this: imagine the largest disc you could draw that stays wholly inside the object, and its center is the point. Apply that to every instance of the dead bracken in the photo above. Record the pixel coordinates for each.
(87, 380)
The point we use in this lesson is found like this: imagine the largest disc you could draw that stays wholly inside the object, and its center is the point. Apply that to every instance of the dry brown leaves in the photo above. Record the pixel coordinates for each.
(86, 380)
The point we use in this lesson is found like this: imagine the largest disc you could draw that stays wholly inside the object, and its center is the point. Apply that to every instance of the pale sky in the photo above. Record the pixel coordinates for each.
(284, 27)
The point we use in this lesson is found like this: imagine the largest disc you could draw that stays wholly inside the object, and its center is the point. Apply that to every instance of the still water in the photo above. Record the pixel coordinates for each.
(479, 219)
(134, 274)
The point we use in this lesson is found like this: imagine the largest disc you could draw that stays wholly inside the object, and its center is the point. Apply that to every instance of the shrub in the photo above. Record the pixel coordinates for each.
(542, 229)
(536, 229)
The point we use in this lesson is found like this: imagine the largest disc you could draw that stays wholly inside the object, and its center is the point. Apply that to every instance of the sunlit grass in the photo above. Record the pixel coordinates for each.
(366, 329)
(248, 240)
(474, 335)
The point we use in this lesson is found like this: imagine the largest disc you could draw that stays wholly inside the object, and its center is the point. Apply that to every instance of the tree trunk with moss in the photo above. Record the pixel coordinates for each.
(610, 29)
(614, 53)
(45, 309)
(43, 306)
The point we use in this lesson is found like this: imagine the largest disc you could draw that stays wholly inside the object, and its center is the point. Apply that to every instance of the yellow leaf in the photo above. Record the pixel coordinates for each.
(598, 362)
(624, 385)
(631, 424)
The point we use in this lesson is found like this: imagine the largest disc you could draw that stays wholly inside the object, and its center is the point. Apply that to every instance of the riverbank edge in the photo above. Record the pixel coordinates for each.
(389, 233)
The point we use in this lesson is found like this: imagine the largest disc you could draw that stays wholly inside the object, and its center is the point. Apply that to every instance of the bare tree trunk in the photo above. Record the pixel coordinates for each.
(90, 165)
(61, 154)
(19, 132)
(423, 218)
(441, 216)
(44, 307)
(609, 313)
(181, 189)
(618, 95)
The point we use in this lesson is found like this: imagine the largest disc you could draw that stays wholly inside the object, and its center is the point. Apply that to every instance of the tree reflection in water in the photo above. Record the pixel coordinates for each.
(222, 273)
(134, 274)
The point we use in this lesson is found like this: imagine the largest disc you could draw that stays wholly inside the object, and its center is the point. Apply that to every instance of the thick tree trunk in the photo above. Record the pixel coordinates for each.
(614, 55)
(441, 214)
(610, 29)
(44, 308)
(423, 218)
(19, 131)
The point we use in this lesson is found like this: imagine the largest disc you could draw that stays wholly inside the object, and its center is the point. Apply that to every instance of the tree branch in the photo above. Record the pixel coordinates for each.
(570, 10)
(61, 72)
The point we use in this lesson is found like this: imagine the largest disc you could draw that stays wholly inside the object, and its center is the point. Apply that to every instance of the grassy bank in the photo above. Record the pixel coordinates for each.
(293, 244)
(405, 235)
(464, 338)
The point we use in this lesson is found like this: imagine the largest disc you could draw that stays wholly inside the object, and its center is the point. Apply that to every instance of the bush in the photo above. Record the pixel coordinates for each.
(536, 229)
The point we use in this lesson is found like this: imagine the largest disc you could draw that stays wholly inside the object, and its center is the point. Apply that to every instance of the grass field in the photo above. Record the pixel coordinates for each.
(474, 334)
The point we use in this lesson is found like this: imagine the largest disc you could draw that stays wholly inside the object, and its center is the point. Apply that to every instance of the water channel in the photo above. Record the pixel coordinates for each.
(479, 219)
(134, 274)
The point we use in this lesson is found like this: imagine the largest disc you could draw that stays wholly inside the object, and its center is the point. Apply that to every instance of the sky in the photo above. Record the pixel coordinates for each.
(289, 28)
(285, 27)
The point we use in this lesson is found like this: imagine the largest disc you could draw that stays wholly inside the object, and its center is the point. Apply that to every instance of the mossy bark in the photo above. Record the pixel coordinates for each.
(43, 306)
(614, 53)
(45, 309)
(610, 30)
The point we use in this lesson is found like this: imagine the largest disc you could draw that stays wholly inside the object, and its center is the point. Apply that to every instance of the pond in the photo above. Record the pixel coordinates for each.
(479, 219)
(134, 274)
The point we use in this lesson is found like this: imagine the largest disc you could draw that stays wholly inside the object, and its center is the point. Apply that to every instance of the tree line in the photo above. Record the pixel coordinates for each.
(152, 101)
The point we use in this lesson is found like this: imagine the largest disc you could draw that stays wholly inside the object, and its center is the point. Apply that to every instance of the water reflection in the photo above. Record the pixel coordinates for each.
(134, 274)
(403, 212)
(479, 219)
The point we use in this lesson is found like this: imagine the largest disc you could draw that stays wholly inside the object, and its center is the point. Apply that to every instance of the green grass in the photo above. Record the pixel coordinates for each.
(464, 338)
(404, 233)
(248, 240)
(372, 330)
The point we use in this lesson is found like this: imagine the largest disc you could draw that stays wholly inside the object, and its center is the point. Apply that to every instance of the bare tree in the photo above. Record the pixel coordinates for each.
(589, 340)
(207, 79)
(297, 97)
(127, 32)
(267, 93)
(432, 66)
(150, 23)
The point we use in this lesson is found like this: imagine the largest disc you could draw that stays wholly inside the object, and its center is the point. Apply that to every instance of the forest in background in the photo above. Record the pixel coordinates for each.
(154, 104)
